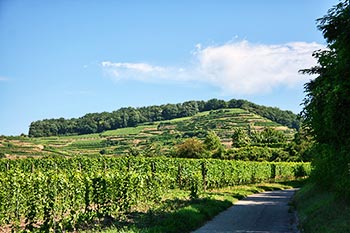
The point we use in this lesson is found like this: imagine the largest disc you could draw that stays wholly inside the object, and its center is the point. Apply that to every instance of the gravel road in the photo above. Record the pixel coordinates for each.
(258, 213)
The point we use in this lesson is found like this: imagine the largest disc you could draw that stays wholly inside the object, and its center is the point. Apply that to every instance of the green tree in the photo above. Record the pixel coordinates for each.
(189, 108)
(213, 145)
(269, 135)
(191, 148)
(170, 111)
(214, 104)
(240, 138)
(212, 141)
(301, 146)
(327, 104)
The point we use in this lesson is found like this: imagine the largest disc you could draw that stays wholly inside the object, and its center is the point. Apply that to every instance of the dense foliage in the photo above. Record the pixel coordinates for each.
(191, 148)
(327, 104)
(265, 145)
(67, 194)
(130, 117)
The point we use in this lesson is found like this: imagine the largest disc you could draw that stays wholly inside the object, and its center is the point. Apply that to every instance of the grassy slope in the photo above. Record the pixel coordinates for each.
(321, 211)
(178, 213)
(146, 136)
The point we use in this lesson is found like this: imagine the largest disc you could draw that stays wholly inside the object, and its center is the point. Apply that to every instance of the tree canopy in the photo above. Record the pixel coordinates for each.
(191, 148)
(327, 103)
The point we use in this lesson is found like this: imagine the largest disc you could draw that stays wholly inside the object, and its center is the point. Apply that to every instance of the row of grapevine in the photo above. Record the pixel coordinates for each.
(62, 194)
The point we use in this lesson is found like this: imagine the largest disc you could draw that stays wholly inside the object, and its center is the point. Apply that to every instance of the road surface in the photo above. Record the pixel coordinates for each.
(265, 212)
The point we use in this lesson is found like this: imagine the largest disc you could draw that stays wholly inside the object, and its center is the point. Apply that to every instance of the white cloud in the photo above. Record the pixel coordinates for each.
(140, 67)
(246, 68)
(236, 68)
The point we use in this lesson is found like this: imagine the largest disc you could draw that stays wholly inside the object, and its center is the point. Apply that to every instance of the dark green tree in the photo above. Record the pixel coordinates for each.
(269, 135)
(301, 146)
(327, 104)
(214, 104)
(240, 138)
(212, 141)
(189, 108)
(213, 145)
(170, 111)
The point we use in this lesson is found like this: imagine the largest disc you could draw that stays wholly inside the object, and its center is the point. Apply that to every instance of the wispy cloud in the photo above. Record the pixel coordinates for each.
(236, 68)
(138, 71)
(2, 78)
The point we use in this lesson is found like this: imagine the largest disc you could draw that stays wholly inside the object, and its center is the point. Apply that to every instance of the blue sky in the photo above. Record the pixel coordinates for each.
(68, 58)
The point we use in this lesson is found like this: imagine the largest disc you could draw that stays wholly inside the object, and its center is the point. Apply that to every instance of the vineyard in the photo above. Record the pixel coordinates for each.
(153, 138)
(69, 194)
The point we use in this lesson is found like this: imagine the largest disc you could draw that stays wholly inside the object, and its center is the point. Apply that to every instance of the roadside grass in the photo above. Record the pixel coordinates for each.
(321, 211)
(177, 212)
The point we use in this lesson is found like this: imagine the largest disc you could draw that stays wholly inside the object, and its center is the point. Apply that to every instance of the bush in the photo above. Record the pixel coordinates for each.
(191, 148)
(254, 153)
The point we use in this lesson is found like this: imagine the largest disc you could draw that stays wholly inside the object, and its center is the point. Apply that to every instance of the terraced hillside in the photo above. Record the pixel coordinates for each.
(155, 138)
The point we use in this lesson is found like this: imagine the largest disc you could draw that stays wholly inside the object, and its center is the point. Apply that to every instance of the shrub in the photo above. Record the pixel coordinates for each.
(191, 148)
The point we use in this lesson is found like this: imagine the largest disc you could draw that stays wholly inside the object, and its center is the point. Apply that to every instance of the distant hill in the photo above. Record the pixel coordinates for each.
(131, 117)
(155, 138)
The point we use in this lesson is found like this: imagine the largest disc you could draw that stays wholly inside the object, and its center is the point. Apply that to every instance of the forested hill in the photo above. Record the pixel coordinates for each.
(129, 117)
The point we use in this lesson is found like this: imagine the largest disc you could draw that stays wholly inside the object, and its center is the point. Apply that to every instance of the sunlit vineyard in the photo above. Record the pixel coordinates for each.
(68, 194)
(153, 138)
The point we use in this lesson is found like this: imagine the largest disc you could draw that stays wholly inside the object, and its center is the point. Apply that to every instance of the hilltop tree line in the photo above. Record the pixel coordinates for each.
(130, 117)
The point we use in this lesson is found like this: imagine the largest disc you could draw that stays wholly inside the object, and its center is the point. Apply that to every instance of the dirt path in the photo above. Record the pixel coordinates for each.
(258, 213)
